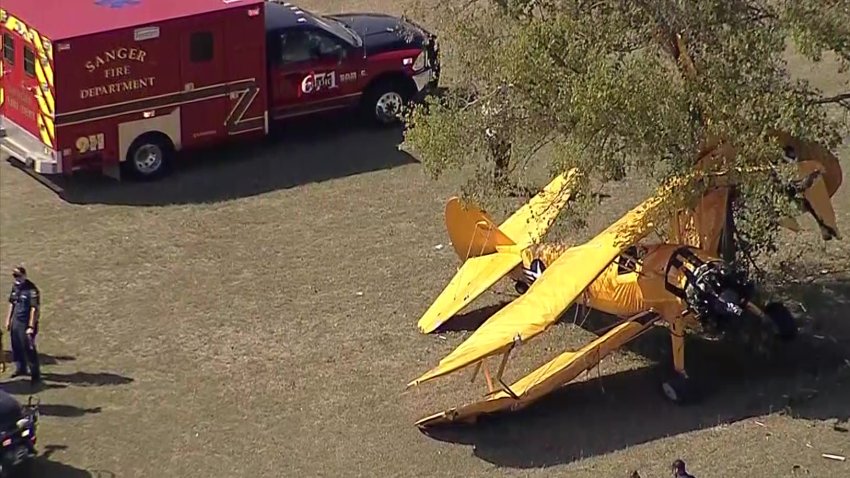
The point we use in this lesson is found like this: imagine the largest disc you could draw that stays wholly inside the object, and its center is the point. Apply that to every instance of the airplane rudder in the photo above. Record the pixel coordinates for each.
(472, 232)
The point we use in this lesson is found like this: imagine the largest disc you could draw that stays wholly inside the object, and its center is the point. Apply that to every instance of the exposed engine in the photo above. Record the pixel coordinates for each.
(714, 290)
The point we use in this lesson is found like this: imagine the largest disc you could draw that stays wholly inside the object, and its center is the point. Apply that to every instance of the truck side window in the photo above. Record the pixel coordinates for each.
(29, 61)
(9, 48)
(323, 46)
(305, 45)
(201, 47)
(294, 47)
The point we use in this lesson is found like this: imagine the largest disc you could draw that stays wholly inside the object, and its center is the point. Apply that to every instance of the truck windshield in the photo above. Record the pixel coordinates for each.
(336, 27)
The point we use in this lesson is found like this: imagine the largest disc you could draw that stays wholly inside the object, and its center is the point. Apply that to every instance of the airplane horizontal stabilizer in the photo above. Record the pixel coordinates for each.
(475, 276)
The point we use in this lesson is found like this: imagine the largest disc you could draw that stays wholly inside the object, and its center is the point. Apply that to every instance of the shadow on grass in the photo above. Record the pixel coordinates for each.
(65, 411)
(44, 465)
(808, 379)
(22, 386)
(87, 379)
(307, 151)
(43, 359)
(469, 321)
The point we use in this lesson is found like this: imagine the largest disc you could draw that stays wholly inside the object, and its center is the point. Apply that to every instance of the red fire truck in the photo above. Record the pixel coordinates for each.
(123, 85)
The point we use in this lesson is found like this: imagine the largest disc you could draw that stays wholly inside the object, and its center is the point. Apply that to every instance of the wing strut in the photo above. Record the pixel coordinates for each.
(502, 365)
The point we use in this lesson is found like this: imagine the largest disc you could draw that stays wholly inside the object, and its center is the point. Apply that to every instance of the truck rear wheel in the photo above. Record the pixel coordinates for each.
(149, 156)
(383, 101)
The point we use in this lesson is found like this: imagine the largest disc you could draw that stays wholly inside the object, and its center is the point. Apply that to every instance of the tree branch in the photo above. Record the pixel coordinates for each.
(832, 99)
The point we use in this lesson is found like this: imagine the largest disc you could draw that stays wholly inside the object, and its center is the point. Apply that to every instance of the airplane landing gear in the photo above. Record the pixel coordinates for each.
(521, 287)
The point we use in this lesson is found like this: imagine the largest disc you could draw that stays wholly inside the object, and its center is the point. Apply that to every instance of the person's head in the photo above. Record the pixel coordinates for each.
(20, 274)
(678, 467)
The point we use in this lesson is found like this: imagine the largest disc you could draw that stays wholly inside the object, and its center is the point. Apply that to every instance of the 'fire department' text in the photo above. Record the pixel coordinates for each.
(118, 87)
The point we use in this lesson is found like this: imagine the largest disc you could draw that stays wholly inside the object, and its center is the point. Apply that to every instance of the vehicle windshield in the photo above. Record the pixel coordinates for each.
(336, 27)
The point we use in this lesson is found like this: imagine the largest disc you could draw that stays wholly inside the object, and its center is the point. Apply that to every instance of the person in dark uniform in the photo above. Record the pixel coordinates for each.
(679, 470)
(22, 323)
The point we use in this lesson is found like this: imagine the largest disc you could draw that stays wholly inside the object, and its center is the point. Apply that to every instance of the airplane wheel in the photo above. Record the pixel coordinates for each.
(521, 287)
(679, 390)
(786, 326)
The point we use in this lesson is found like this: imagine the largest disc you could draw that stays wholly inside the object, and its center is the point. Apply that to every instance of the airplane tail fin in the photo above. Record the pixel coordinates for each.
(472, 231)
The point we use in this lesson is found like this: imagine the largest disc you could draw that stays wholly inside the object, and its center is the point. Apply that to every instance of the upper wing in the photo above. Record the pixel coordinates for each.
(528, 224)
(554, 292)
(475, 276)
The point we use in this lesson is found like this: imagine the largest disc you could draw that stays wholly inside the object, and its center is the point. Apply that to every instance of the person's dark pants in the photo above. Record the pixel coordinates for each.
(24, 352)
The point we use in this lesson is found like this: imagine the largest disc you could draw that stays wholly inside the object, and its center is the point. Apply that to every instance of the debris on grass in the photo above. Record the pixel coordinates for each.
(829, 456)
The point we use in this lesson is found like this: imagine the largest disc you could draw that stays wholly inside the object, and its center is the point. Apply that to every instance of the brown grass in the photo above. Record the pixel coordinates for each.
(254, 315)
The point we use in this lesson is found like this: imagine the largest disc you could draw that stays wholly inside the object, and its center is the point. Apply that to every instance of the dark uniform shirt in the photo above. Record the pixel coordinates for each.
(23, 297)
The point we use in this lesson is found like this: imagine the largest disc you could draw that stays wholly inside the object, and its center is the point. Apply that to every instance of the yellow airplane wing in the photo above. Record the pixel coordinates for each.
(530, 223)
(559, 286)
(548, 377)
(490, 252)
(475, 276)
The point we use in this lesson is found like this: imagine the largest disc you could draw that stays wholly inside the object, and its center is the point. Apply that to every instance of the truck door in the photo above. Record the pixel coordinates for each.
(308, 74)
(203, 76)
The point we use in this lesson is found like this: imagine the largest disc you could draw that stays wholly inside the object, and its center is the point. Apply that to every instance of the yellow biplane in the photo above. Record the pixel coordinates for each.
(681, 282)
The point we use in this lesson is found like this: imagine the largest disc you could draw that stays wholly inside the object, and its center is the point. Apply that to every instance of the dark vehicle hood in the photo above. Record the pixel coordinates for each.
(382, 33)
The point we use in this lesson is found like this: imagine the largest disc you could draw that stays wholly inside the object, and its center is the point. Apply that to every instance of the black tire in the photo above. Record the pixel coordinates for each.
(387, 94)
(521, 287)
(679, 389)
(783, 320)
(149, 157)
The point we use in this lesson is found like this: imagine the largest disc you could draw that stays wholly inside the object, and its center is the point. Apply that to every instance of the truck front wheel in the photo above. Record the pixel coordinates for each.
(384, 101)
(149, 156)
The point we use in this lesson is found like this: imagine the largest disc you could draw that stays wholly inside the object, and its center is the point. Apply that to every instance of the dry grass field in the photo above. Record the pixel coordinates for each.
(254, 315)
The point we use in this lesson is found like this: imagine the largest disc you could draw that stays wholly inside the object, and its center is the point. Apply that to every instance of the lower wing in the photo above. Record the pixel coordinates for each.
(549, 377)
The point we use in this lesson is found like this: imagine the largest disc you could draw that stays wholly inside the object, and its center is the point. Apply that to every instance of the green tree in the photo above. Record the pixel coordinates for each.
(626, 87)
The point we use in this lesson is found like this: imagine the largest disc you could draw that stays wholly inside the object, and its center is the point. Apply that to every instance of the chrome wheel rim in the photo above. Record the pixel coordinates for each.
(148, 158)
(669, 391)
(388, 106)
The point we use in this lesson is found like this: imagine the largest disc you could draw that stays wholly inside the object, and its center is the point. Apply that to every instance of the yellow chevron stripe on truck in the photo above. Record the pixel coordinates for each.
(2, 96)
(43, 70)
(45, 94)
